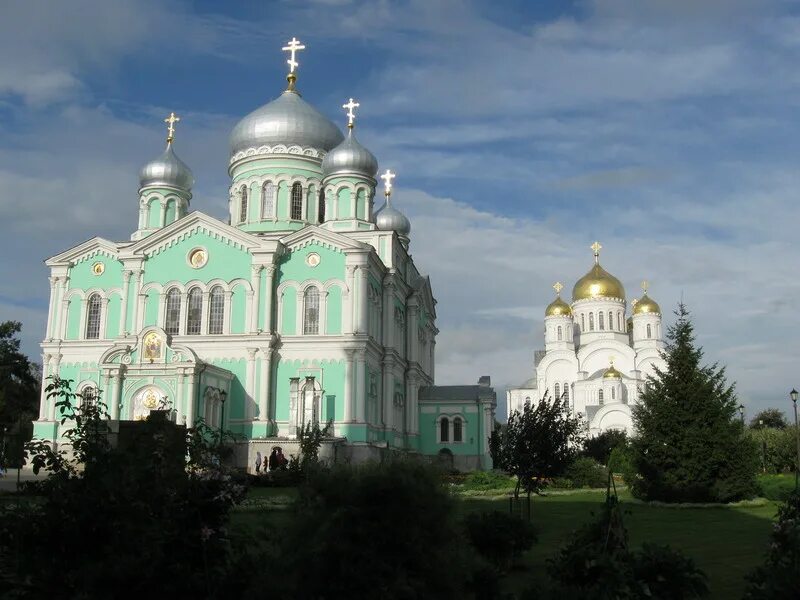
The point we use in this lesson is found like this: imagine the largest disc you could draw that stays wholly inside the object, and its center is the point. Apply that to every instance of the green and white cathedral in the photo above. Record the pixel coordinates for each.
(305, 307)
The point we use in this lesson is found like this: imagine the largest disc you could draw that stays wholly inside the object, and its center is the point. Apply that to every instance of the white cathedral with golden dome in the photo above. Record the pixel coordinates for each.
(596, 356)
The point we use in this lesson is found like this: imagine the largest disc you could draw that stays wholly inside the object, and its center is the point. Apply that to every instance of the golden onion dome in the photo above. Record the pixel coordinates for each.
(646, 306)
(612, 373)
(597, 283)
(558, 308)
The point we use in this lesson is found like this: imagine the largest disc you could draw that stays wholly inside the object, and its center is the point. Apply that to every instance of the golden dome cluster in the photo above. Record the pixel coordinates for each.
(646, 305)
(612, 373)
(558, 308)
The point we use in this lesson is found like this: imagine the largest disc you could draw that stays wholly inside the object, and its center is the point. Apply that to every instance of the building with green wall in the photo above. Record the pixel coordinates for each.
(305, 306)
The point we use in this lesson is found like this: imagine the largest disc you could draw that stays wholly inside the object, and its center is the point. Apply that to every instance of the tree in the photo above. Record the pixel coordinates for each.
(690, 445)
(19, 379)
(600, 446)
(769, 418)
(538, 443)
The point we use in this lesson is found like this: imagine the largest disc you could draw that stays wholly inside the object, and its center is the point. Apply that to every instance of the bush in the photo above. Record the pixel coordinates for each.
(776, 487)
(779, 577)
(601, 446)
(586, 472)
(499, 537)
(488, 480)
(376, 530)
(777, 449)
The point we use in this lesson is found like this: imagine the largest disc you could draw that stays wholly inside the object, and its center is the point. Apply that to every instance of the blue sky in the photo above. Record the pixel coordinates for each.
(520, 132)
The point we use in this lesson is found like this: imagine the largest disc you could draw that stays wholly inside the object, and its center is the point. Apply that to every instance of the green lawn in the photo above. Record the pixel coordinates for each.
(726, 542)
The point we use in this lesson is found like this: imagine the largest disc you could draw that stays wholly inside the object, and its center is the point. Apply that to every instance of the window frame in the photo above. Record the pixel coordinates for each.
(296, 202)
(307, 294)
(173, 327)
(194, 326)
(94, 316)
(216, 313)
(268, 214)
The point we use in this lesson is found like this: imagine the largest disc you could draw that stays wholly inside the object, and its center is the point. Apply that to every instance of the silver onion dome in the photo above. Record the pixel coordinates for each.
(350, 157)
(388, 218)
(167, 170)
(286, 120)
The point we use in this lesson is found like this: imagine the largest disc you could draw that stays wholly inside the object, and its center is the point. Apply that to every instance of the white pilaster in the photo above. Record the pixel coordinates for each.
(348, 300)
(123, 310)
(191, 401)
(363, 309)
(250, 390)
(255, 281)
(361, 375)
(50, 316)
(269, 325)
(348, 386)
(266, 378)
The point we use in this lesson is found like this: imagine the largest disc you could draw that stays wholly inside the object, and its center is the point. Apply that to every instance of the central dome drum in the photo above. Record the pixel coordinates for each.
(286, 120)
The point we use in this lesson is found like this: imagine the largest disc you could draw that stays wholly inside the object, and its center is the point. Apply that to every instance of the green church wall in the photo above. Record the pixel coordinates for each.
(154, 213)
(472, 426)
(343, 204)
(151, 308)
(361, 205)
(113, 316)
(235, 404)
(172, 212)
(224, 261)
(293, 266)
(282, 210)
(74, 319)
(82, 277)
(238, 304)
(332, 403)
(333, 318)
(289, 311)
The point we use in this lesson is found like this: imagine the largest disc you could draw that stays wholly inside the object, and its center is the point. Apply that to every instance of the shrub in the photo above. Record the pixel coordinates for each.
(376, 530)
(601, 446)
(776, 487)
(488, 480)
(499, 537)
(779, 577)
(586, 472)
(777, 450)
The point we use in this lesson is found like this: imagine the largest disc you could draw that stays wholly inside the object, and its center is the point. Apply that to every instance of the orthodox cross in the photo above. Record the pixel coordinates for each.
(611, 361)
(293, 46)
(170, 121)
(351, 116)
(558, 287)
(645, 285)
(596, 248)
(387, 182)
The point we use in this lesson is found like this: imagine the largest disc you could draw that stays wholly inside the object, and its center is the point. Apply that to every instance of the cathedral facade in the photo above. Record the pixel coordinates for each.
(596, 357)
(304, 307)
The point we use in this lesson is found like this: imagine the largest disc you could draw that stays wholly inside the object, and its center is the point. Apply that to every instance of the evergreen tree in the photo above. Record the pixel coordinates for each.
(19, 379)
(690, 445)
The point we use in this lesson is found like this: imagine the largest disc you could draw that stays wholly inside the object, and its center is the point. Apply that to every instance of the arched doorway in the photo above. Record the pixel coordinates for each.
(148, 398)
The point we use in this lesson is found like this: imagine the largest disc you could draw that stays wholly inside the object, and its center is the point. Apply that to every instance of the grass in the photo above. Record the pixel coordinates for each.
(726, 542)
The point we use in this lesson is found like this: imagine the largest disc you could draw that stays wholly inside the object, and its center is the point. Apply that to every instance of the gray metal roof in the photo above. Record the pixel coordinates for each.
(167, 170)
(350, 157)
(456, 393)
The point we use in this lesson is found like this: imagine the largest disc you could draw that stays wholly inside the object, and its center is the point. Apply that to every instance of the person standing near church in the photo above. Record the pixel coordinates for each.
(258, 462)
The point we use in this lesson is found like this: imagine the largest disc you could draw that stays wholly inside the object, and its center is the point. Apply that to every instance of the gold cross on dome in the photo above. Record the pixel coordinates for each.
(387, 182)
(351, 116)
(170, 121)
(645, 285)
(596, 248)
(558, 287)
(611, 360)
(293, 46)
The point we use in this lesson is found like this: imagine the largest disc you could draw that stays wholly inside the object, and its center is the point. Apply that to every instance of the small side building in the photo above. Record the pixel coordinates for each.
(456, 422)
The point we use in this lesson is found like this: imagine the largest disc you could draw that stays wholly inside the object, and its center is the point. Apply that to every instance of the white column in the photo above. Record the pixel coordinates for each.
(348, 386)
(162, 219)
(107, 393)
(363, 312)
(204, 313)
(361, 375)
(250, 391)
(349, 300)
(269, 325)
(50, 316)
(54, 371)
(104, 319)
(255, 281)
(266, 376)
(388, 313)
(60, 310)
(184, 313)
(226, 313)
(116, 398)
(387, 403)
(180, 413)
(123, 310)
(43, 395)
(191, 402)
(413, 335)
(138, 307)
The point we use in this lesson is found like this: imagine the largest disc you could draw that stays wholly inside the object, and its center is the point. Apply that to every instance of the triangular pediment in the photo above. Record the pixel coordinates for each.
(88, 249)
(193, 223)
(313, 234)
(425, 293)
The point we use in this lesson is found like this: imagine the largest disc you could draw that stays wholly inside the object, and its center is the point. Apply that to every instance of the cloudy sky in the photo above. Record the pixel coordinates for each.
(520, 132)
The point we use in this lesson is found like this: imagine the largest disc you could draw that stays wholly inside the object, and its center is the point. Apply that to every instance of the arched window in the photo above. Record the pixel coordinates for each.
(87, 396)
(583, 322)
(216, 310)
(268, 200)
(600, 396)
(194, 314)
(311, 311)
(566, 391)
(619, 321)
(458, 435)
(93, 310)
(297, 201)
(172, 318)
(559, 333)
(591, 321)
(610, 320)
(557, 391)
(600, 320)
(649, 331)
(444, 430)
(243, 205)
(613, 393)
(321, 206)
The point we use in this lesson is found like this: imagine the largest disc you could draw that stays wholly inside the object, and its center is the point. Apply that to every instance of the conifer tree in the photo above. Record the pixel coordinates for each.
(690, 445)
